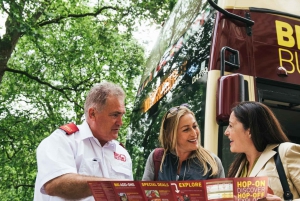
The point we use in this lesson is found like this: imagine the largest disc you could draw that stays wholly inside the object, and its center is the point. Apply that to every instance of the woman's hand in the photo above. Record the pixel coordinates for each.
(271, 197)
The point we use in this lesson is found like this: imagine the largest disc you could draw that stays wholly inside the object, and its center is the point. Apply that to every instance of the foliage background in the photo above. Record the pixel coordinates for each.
(50, 55)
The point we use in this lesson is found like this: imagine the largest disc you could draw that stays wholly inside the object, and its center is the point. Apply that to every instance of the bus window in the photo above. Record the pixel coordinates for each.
(284, 100)
(180, 78)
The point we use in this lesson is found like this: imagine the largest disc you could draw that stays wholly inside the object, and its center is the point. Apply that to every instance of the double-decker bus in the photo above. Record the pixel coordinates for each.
(215, 53)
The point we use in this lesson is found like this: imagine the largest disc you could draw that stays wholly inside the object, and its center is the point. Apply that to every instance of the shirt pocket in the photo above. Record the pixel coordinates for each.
(90, 167)
(120, 172)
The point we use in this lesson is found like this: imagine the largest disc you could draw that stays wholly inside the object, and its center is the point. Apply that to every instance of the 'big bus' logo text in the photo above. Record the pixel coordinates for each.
(288, 36)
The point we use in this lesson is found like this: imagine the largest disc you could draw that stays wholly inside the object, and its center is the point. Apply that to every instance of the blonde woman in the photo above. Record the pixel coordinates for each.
(183, 157)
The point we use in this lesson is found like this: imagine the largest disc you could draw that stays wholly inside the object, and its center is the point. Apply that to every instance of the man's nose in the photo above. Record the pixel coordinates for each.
(119, 121)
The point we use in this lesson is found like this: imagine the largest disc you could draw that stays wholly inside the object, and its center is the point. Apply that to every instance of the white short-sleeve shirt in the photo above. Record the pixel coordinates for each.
(80, 153)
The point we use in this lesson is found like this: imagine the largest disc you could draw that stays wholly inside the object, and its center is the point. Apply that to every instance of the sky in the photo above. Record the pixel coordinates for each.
(146, 35)
(2, 23)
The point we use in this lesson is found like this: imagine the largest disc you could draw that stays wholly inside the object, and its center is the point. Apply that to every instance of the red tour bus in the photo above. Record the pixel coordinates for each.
(212, 55)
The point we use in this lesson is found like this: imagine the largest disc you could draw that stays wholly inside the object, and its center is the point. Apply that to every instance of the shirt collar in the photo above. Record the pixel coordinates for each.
(85, 133)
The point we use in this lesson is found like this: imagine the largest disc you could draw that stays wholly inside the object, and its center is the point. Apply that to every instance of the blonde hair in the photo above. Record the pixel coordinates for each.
(168, 140)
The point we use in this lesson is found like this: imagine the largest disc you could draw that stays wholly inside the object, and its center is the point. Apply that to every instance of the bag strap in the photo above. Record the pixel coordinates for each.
(287, 194)
(157, 156)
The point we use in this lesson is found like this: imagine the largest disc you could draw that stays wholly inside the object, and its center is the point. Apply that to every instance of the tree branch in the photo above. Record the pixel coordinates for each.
(61, 90)
(56, 20)
(24, 185)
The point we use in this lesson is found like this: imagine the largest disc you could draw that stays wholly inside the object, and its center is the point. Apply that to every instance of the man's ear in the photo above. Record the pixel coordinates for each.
(91, 113)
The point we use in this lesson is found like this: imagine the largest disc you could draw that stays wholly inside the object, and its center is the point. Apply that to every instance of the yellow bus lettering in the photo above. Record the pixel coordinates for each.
(297, 63)
(289, 60)
(284, 34)
(297, 31)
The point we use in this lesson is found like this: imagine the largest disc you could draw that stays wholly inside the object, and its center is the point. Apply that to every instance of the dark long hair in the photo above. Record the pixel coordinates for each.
(264, 128)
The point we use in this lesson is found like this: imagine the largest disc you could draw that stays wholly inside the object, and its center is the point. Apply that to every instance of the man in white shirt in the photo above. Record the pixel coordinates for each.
(72, 155)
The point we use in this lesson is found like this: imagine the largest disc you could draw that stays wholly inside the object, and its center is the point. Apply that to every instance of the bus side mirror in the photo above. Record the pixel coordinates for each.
(231, 89)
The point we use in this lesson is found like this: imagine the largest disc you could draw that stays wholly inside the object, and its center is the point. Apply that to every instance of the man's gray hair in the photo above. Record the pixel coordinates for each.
(98, 94)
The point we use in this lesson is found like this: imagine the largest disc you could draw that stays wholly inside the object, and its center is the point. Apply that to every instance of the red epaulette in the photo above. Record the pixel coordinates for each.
(69, 128)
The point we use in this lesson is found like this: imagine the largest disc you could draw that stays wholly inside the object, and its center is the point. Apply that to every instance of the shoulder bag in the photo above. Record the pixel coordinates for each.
(287, 194)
